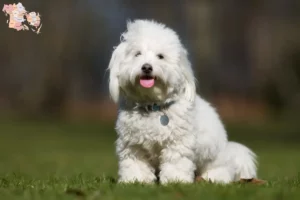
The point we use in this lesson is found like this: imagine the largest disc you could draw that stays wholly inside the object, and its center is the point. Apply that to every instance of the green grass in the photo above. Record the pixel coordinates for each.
(41, 160)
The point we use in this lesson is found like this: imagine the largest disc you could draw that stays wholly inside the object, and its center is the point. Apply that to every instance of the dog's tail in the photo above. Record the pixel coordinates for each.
(243, 159)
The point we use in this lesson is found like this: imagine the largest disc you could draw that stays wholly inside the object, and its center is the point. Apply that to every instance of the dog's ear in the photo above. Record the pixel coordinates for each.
(189, 85)
(114, 68)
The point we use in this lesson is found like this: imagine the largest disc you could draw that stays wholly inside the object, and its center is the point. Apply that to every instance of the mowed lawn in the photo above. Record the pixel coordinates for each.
(57, 160)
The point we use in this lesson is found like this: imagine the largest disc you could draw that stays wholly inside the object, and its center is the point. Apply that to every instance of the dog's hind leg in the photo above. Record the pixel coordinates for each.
(234, 163)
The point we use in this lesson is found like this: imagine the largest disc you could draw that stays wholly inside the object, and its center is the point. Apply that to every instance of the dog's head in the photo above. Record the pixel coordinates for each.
(150, 65)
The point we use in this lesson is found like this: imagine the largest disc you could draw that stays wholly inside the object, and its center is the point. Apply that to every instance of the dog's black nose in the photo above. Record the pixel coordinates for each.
(147, 68)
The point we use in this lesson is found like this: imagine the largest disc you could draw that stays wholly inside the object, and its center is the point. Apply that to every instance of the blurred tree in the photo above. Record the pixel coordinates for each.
(242, 51)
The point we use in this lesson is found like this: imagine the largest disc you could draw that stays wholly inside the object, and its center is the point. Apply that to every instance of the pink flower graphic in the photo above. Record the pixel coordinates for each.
(17, 14)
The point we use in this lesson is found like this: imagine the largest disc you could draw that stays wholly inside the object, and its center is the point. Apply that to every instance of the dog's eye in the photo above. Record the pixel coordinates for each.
(138, 54)
(160, 56)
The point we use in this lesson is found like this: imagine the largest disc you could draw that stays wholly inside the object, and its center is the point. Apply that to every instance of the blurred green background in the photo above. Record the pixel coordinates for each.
(56, 117)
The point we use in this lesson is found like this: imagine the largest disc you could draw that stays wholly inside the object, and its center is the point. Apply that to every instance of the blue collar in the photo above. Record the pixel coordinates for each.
(156, 107)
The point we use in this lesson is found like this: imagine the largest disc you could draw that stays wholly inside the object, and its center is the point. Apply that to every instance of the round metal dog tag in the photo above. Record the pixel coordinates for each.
(164, 120)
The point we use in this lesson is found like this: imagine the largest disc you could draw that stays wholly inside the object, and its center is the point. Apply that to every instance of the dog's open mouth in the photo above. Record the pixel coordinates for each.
(147, 81)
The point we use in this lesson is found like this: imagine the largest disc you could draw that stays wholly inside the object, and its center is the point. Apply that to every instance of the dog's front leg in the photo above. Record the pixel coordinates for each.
(177, 165)
(135, 167)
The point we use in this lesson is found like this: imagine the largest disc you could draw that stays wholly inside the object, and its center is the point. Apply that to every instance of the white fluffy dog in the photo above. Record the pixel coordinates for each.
(164, 128)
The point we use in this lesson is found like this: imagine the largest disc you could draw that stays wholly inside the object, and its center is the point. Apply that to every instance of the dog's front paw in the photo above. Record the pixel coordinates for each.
(172, 176)
(220, 175)
(136, 174)
(134, 169)
(180, 170)
(136, 179)
(175, 179)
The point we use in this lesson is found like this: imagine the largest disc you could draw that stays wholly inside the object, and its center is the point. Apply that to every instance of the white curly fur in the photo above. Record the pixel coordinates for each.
(194, 141)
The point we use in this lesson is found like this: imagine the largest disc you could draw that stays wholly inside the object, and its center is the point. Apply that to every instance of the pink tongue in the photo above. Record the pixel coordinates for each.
(147, 83)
